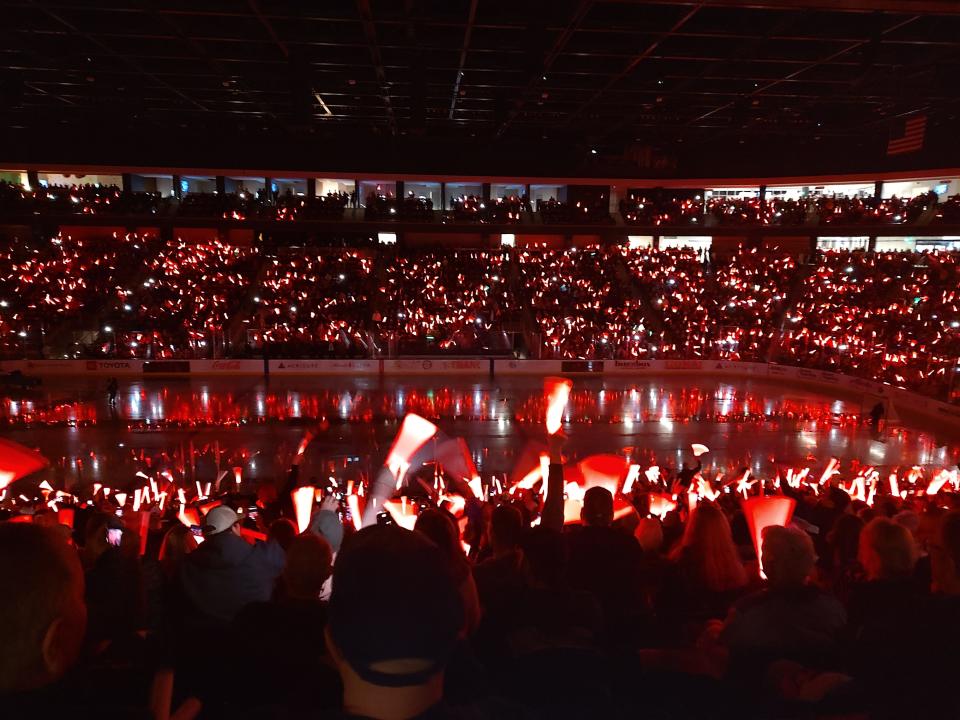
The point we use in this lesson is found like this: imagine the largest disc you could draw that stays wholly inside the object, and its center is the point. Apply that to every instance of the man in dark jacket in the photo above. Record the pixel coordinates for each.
(226, 573)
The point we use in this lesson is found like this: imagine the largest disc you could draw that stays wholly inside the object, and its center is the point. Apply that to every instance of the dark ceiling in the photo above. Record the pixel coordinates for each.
(480, 85)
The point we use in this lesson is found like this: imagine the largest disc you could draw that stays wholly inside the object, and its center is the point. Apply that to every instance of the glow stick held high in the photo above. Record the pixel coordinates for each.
(303, 506)
(557, 392)
(414, 432)
(830, 471)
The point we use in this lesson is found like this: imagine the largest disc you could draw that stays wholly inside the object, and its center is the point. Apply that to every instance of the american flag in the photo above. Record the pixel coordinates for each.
(912, 139)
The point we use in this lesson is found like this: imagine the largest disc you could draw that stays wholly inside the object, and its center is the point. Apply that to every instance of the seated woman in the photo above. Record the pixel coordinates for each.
(788, 619)
(705, 576)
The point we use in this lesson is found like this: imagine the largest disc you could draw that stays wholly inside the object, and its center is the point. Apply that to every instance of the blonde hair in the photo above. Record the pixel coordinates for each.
(708, 545)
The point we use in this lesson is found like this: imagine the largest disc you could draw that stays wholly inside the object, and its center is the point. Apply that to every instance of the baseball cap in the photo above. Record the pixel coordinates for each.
(393, 598)
(219, 519)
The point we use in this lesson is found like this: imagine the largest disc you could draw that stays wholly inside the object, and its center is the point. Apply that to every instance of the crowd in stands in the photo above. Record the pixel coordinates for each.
(659, 207)
(655, 207)
(311, 302)
(90, 199)
(891, 316)
(45, 281)
(83, 199)
(453, 300)
(180, 301)
(645, 596)
(580, 308)
(887, 316)
(323, 207)
(581, 211)
(658, 210)
(505, 210)
(386, 207)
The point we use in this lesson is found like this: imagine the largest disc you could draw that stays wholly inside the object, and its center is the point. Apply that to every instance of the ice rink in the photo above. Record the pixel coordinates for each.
(195, 426)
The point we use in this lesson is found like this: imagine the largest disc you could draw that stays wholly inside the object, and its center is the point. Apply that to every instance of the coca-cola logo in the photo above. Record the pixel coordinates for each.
(226, 364)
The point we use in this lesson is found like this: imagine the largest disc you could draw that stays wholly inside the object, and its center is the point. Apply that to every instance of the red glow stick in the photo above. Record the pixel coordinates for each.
(661, 504)
(303, 444)
(354, 504)
(252, 536)
(65, 516)
(189, 517)
(557, 392)
(17, 461)
(414, 432)
(403, 513)
(938, 481)
(894, 487)
(544, 473)
(633, 473)
(830, 471)
(603, 471)
(762, 512)
(303, 505)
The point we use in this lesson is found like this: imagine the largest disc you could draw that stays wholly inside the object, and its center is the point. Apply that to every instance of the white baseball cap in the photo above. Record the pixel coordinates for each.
(219, 519)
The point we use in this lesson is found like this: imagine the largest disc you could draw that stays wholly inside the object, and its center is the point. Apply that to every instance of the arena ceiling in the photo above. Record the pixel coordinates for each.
(609, 83)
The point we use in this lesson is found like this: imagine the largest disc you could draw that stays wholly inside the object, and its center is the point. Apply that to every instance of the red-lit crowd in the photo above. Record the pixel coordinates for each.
(660, 207)
(636, 596)
(888, 316)
(653, 207)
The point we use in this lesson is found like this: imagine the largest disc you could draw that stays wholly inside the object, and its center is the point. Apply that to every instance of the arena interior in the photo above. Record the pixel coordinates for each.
(395, 360)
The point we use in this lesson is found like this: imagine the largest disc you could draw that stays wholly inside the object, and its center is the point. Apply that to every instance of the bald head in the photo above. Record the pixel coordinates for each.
(42, 612)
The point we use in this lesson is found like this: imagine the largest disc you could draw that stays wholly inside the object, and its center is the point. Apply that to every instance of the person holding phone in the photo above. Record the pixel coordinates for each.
(226, 573)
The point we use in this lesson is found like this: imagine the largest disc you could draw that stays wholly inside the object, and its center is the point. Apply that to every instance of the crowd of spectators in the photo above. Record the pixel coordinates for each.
(180, 302)
(46, 281)
(386, 207)
(453, 300)
(323, 207)
(888, 316)
(557, 598)
(83, 199)
(504, 210)
(659, 207)
(570, 213)
(93, 199)
(891, 316)
(655, 207)
(580, 308)
(312, 302)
